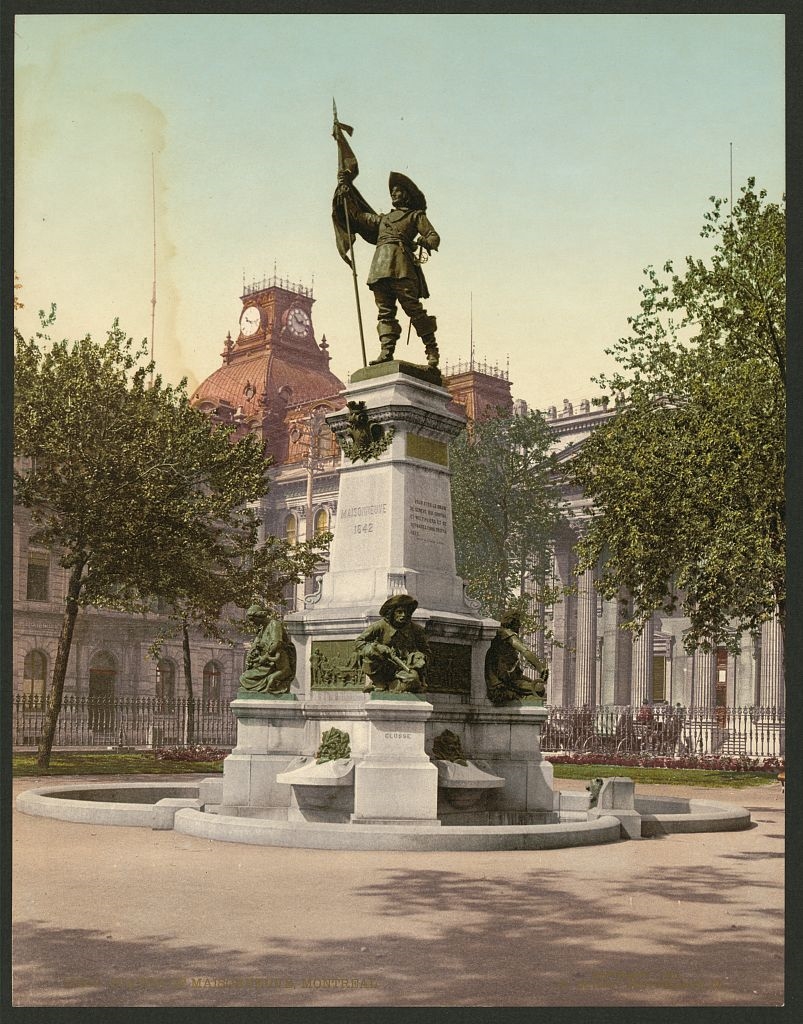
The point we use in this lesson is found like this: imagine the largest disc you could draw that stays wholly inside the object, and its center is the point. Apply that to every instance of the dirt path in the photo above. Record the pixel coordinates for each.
(110, 916)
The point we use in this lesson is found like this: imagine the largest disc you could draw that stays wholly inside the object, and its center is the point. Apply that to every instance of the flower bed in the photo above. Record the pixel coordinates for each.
(771, 765)
(196, 753)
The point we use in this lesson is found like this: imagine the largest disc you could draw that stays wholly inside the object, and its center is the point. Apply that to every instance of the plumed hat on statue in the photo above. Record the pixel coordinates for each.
(418, 200)
(398, 601)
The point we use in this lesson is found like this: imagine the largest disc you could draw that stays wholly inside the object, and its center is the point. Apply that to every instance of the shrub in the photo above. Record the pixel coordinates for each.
(196, 753)
(707, 762)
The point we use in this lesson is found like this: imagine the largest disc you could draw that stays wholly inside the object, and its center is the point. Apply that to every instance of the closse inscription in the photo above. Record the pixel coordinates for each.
(428, 519)
(362, 518)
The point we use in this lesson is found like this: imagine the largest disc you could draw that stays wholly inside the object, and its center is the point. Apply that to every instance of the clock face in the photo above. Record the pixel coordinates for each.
(250, 321)
(298, 322)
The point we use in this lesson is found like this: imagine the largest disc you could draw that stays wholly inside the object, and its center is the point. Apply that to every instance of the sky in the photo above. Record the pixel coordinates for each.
(560, 155)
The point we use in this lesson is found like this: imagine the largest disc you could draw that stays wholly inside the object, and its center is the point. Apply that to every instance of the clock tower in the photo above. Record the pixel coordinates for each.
(274, 371)
(277, 314)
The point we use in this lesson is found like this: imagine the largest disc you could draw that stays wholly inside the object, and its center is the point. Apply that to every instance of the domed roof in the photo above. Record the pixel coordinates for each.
(276, 378)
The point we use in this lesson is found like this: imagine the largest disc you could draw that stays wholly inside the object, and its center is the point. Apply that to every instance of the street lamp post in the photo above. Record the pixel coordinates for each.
(308, 431)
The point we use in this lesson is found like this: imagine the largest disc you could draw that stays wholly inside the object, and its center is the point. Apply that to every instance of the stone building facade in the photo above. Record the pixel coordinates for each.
(594, 662)
(109, 655)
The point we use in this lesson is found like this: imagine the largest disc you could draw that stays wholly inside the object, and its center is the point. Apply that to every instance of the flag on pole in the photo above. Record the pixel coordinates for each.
(346, 160)
(345, 231)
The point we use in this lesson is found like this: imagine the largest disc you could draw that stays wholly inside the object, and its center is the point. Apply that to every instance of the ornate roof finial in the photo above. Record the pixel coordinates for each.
(324, 347)
(228, 345)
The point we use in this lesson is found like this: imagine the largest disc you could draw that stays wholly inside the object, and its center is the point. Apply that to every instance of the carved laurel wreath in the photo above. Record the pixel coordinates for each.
(364, 452)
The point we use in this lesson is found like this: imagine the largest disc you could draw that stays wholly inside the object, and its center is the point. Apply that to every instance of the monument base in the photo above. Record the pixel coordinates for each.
(396, 781)
(430, 374)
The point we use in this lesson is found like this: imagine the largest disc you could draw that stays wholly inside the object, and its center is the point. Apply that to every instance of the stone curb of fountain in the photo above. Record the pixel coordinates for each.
(413, 837)
(177, 805)
(85, 804)
(665, 816)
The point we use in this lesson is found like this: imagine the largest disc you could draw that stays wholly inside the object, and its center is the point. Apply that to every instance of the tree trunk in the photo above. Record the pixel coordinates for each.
(60, 668)
(185, 633)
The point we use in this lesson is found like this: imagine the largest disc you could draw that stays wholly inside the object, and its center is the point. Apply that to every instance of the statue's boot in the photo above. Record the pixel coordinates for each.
(431, 350)
(426, 328)
(387, 347)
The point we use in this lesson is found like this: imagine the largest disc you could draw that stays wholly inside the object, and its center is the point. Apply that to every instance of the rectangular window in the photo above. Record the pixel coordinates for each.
(659, 678)
(33, 687)
(38, 576)
(722, 677)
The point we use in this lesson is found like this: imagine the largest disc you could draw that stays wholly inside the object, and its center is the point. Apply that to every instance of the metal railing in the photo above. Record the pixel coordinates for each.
(661, 730)
(664, 730)
(125, 721)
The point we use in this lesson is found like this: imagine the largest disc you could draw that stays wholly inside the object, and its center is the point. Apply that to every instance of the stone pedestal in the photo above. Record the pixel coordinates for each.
(505, 741)
(396, 782)
(393, 534)
(508, 739)
(270, 734)
(394, 515)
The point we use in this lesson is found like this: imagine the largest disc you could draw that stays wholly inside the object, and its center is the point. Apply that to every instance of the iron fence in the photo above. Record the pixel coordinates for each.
(665, 730)
(125, 721)
(657, 729)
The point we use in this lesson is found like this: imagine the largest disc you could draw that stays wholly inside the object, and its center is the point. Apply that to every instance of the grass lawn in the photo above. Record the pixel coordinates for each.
(666, 776)
(145, 763)
(97, 762)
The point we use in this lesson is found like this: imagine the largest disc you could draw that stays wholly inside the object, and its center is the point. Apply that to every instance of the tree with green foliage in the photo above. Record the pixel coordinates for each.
(505, 507)
(141, 494)
(687, 480)
(208, 594)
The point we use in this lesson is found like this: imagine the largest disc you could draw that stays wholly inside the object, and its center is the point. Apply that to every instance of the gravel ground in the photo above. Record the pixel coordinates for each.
(113, 916)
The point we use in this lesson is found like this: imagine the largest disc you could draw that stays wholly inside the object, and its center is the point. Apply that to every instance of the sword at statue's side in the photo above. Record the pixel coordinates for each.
(342, 148)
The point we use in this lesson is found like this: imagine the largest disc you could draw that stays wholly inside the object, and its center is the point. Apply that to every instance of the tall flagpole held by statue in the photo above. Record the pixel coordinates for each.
(340, 167)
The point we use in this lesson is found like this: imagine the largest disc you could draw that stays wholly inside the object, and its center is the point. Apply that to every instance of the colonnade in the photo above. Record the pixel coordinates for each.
(594, 662)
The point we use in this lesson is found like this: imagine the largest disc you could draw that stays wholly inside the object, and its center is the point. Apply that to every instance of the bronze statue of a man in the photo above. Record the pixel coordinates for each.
(394, 650)
(395, 274)
(504, 675)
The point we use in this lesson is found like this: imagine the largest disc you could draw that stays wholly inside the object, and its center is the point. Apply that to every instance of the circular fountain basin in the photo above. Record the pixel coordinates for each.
(178, 805)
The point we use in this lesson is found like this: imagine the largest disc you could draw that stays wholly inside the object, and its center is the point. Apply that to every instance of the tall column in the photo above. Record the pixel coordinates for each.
(641, 677)
(560, 689)
(705, 679)
(586, 664)
(771, 686)
(610, 668)
(624, 653)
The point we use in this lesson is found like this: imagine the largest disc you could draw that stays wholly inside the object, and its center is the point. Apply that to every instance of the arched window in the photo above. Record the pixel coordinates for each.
(321, 521)
(290, 529)
(212, 676)
(165, 679)
(34, 674)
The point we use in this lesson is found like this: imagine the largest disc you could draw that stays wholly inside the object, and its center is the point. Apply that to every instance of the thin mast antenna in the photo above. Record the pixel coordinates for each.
(153, 297)
(731, 148)
(471, 329)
